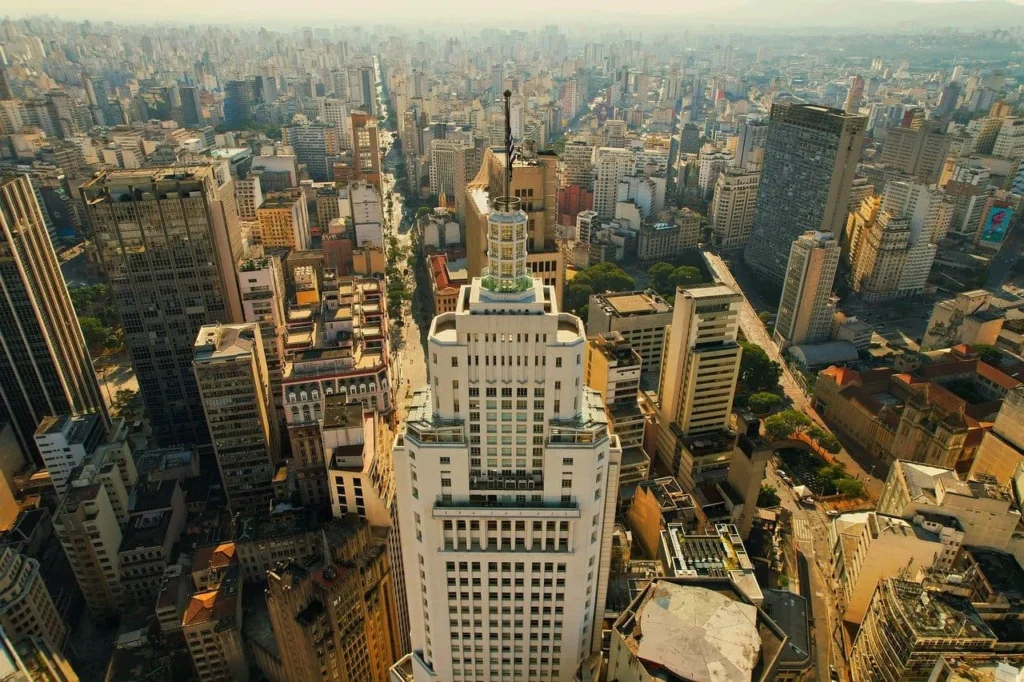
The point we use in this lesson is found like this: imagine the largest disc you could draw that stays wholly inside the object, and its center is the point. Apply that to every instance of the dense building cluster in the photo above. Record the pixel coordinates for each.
(559, 354)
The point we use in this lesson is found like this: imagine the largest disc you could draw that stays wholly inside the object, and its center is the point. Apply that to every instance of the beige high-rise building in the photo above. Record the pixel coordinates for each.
(248, 197)
(805, 313)
(232, 377)
(283, 221)
(612, 368)
(732, 208)
(169, 241)
(610, 165)
(860, 190)
(88, 530)
(699, 371)
(332, 622)
(1001, 452)
(919, 152)
(212, 627)
(261, 284)
(640, 316)
(365, 148)
(1009, 142)
(26, 608)
(887, 259)
(45, 368)
(577, 165)
(498, 515)
(927, 207)
(444, 158)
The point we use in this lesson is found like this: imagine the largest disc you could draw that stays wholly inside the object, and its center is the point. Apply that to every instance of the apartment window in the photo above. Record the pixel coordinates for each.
(558, 361)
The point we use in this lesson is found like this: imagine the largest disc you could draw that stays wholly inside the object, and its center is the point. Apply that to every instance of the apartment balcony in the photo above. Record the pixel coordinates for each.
(495, 480)
(425, 428)
(402, 670)
(504, 506)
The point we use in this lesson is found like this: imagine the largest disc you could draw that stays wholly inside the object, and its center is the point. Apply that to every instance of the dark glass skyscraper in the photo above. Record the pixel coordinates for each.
(238, 102)
(45, 369)
(168, 239)
(809, 161)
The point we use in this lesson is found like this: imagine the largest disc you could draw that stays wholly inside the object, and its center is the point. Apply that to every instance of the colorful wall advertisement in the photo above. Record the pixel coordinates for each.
(996, 225)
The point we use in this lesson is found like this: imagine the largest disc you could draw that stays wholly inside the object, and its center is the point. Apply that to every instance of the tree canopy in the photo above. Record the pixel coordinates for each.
(768, 497)
(763, 402)
(987, 353)
(784, 424)
(665, 277)
(825, 439)
(596, 279)
(94, 331)
(758, 372)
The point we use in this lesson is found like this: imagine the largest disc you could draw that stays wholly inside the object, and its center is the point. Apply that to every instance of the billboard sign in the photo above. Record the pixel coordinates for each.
(996, 225)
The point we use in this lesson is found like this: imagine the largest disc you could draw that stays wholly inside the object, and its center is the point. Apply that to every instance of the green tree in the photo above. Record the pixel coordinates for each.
(685, 275)
(831, 474)
(93, 331)
(82, 298)
(660, 275)
(127, 403)
(765, 317)
(422, 211)
(768, 497)
(784, 424)
(763, 402)
(825, 439)
(987, 353)
(850, 487)
(758, 372)
(595, 280)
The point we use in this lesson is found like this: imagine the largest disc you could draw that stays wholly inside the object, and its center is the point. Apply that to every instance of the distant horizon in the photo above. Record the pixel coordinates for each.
(701, 15)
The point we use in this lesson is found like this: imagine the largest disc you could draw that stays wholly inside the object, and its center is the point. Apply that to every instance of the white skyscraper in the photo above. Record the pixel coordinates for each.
(507, 478)
(610, 166)
(805, 313)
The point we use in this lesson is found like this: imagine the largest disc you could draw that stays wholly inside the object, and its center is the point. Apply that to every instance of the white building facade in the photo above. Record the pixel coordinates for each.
(507, 477)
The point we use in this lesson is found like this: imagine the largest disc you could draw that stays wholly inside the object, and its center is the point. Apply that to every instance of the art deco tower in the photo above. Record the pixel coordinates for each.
(507, 477)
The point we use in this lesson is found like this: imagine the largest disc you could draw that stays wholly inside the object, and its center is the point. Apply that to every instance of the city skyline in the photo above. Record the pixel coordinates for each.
(545, 342)
(772, 15)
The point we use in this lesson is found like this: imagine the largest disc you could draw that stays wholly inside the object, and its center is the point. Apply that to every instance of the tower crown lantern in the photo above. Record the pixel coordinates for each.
(507, 272)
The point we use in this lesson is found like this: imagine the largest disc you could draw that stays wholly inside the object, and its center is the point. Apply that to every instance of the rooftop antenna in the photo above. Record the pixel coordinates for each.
(510, 152)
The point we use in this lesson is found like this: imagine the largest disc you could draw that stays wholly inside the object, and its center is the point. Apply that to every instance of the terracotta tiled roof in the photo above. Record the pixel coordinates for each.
(996, 376)
(438, 270)
(200, 608)
(215, 556)
(858, 395)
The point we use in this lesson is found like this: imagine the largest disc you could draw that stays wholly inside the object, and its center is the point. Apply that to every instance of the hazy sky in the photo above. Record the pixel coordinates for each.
(329, 13)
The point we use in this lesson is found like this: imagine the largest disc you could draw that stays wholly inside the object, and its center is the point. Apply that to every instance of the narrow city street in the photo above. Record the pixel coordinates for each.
(756, 333)
(811, 545)
(411, 369)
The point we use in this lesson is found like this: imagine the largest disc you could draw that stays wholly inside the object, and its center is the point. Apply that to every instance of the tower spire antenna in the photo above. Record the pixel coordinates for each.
(509, 142)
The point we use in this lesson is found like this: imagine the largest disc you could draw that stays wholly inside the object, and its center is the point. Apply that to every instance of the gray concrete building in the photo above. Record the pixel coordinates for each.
(809, 162)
